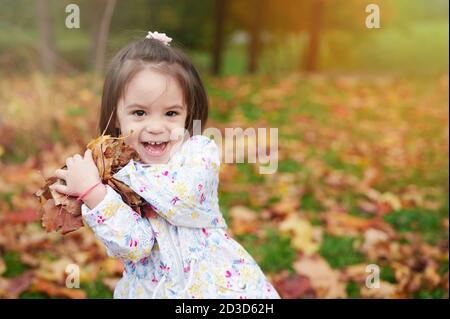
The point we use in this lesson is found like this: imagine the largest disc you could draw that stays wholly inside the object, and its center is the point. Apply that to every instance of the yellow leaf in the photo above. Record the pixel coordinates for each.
(244, 220)
(301, 232)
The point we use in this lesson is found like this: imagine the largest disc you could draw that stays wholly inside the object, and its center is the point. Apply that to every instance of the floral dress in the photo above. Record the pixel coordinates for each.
(185, 251)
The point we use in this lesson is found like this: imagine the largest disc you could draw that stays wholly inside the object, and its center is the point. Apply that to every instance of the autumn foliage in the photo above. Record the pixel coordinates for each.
(110, 154)
(362, 180)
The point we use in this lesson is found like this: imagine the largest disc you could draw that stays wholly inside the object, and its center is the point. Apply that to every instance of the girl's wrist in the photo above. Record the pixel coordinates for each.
(95, 196)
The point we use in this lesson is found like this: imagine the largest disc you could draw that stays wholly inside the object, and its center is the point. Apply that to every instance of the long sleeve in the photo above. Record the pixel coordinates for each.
(125, 234)
(184, 191)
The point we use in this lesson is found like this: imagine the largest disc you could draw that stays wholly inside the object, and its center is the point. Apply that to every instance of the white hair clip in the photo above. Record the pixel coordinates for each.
(159, 36)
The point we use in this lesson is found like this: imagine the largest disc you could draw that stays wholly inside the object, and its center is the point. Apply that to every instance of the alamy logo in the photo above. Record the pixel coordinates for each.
(73, 276)
(73, 17)
(373, 279)
(373, 19)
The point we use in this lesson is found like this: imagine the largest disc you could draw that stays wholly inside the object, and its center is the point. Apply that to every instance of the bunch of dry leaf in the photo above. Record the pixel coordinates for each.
(110, 154)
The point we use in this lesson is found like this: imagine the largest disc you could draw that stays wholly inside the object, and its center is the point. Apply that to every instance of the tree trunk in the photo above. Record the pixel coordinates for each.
(255, 33)
(46, 40)
(153, 15)
(218, 37)
(102, 36)
(95, 10)
(311, 57)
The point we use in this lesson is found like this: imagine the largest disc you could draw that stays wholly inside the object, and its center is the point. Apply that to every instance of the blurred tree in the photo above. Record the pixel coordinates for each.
(101, 31)
(218, 40)
(251, 16)
(190, 22)
(256, 25)
(46, 39)
(316, 17)
(267, 21)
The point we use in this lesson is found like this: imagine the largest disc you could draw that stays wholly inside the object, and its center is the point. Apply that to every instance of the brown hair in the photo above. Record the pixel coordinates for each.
(168, 59)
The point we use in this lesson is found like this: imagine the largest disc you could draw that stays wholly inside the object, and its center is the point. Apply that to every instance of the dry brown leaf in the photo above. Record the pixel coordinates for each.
(63, 213)
(244, 220)
(326, 281)
(13, 287)
(343, 224)
(23, 216)
(53, 270)
(284, 207)
(110, 282)
(385, 290)
(293, 286)
(56, 290)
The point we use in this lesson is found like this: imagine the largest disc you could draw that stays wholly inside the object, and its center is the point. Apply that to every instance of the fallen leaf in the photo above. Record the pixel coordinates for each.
(244, 220)
(284, 207)
(293, 286)
(22, 216)
(302, 234)
(56, 290)
(372, 237)
(12, 288)
(324, 279)
(111, 283)
(385, 290)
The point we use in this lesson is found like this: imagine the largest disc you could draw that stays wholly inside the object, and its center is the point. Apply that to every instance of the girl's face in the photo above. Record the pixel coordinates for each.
(153, 108)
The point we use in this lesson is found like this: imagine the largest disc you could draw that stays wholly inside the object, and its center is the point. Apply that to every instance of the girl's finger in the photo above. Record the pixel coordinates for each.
(88, 154)
(77, 157)
(63, 189)
(69, 162)
(61, 173)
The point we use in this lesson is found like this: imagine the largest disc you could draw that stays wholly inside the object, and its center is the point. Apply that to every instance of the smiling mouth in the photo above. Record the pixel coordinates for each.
(155, 148)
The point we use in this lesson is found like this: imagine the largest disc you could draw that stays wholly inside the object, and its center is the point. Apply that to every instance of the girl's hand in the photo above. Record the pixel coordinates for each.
(81, 173)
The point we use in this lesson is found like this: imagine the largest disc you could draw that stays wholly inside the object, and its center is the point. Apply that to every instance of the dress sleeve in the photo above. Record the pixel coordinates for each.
(124, 232)
(184, 191)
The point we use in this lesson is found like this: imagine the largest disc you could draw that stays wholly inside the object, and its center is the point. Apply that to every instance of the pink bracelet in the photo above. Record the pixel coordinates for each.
(80, 198)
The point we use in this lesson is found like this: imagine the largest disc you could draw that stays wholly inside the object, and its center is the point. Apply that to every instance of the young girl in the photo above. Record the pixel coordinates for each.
(152, 90)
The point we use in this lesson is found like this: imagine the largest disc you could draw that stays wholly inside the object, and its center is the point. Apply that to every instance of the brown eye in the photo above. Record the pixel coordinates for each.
(171, 113)
(140, 112)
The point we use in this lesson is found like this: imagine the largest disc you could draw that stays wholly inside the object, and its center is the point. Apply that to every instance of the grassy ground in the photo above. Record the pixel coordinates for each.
(362, 179)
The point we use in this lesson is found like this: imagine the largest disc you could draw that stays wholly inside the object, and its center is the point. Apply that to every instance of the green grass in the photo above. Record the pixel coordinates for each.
(426, 222)
(251, 111)
(437, 293)
(7, 197)
(97, 290)
(312, 109)
(274, 254)
(24, 147)
(443, 267)
(333, 159)
(234, 61)
(220, 116)
(353, 290)
(75, 111)
(387, 274)
(34, 295)
(339, 251)
(248, 174)
(289, 166)
(14, 267)
(228, 199)
(309, 202)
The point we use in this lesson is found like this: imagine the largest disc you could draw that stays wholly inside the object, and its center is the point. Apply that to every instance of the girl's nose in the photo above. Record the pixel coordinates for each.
(155, 127)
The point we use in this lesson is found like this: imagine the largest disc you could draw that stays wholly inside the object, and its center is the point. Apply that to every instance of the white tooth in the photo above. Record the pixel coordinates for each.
(152, 143)
(158, 143)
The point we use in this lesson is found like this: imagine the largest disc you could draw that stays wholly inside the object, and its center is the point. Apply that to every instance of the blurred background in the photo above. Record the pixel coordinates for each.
(362, 115)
